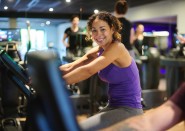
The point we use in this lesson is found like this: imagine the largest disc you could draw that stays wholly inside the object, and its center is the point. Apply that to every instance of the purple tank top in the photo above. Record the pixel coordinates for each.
(124, 85)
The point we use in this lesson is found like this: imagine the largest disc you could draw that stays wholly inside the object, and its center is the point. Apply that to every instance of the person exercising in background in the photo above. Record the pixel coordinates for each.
(138, 40)
(127, 32)
(71, 33)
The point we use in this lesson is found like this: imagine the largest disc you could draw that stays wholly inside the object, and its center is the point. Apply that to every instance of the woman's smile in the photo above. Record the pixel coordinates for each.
(100, 40)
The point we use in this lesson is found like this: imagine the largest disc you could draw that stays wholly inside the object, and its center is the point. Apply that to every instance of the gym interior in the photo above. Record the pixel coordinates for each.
(34, 96)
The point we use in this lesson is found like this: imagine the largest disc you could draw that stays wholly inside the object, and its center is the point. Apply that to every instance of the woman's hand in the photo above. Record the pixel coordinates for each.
(65, 68)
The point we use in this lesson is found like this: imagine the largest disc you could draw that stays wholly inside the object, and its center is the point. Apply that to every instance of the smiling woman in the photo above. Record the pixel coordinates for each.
(111, 60)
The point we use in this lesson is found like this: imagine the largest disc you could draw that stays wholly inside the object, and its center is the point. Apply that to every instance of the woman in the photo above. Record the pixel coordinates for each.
(127, 32)
(139, 36)
(71, 33)
(111, 60)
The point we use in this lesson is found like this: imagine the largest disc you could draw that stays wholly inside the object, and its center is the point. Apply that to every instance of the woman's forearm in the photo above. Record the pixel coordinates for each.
(67, 68)
(77, 75)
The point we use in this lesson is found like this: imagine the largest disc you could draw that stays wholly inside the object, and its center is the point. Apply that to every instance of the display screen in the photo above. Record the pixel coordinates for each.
(3, 35)
(149, 41)
(10, 35)
(16, 69)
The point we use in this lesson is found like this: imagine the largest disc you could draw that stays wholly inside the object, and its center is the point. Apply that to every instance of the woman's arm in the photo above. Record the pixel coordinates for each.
(64, 40)
(159, 119)
(88, 69)
(132, 36)
(88, 57)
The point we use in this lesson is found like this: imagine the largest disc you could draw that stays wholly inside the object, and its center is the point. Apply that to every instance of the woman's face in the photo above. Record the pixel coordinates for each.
(75, 21)
(140, 28)
(101, 32)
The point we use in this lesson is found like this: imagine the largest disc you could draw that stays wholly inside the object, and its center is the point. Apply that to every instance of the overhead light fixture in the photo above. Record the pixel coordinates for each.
(68, 1)
(48, 22)
(32, 3)
(5, 7)
(96, 11)
(42, 24)
(51, 9)
(28, 22)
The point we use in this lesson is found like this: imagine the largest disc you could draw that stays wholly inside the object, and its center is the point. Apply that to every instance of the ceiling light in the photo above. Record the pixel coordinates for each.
(96, 11)
(28, 22)
(6, 7)
(48, 22)
(68, 1)
(51, 9)
(42, 24)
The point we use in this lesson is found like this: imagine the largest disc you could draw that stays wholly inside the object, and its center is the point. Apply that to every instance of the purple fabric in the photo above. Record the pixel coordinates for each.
(124, 85)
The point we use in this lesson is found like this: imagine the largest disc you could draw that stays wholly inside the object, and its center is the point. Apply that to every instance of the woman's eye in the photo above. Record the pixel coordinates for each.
(102, 30)
(93, 31)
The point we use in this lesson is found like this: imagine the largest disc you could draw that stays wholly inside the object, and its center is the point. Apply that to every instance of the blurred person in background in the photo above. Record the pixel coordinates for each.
(72, 34)
(127, 32)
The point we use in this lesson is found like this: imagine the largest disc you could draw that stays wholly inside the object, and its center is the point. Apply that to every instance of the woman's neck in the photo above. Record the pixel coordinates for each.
(119, 15)
(108, 44)
(140, 36)
(74, 28)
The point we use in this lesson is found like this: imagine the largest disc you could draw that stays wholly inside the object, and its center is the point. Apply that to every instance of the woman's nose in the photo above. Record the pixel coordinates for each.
(98, 33)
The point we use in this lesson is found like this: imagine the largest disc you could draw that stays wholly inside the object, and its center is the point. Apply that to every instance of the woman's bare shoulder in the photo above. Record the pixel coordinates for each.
(93, 51)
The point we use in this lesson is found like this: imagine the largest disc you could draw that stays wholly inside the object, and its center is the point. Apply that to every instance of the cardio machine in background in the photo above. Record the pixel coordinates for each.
(14, 84)
(148, 62)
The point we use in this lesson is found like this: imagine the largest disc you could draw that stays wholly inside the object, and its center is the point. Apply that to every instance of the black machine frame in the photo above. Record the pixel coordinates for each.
(52, 108)
(17, 74)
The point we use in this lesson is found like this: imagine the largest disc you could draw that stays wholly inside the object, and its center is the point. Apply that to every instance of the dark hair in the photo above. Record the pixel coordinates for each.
(121, 7)
(74, 16)
(110, 19)
(138, 23)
